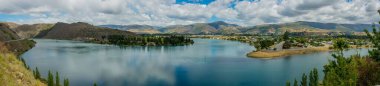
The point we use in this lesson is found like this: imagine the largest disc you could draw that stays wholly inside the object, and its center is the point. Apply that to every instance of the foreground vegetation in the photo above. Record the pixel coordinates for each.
(13, 72)
(355, 70)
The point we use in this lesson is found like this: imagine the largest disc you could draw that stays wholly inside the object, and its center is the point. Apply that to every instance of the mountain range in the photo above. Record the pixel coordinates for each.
(43, 30)
(221, 27)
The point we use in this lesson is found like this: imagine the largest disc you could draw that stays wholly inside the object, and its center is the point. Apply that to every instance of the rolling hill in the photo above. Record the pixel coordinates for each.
(221, 27)
(79, 31)
(218, 27)
(139, 29)
(303, 26)
(30, 31)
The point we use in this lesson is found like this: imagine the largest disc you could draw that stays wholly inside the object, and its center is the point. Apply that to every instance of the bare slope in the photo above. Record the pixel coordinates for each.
(80, 31)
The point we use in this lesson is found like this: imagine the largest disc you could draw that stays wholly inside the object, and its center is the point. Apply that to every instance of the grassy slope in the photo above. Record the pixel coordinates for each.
(13, 72)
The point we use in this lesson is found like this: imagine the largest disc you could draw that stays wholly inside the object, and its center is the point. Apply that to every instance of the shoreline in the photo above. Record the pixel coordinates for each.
(268, 54)
(276, 54)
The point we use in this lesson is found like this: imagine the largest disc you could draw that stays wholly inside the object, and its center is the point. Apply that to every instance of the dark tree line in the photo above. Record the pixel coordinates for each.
(147, 40)
(50, 79)
(263, 44)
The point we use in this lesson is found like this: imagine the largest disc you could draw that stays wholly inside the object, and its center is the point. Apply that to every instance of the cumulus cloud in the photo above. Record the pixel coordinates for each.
(168, 12)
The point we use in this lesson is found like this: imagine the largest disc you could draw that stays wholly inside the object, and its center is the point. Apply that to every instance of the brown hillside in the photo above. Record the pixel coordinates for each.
(80, 31)
(30, 31)
(7, 34)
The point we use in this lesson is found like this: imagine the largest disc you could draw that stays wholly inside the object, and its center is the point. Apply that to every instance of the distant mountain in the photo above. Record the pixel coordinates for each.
(338, 27)
(218, 27)
(30, 31)
(221, 27)
(80, 31)
(139, 29)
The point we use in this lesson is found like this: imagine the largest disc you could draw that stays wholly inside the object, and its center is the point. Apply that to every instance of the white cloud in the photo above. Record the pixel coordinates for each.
(167, 12)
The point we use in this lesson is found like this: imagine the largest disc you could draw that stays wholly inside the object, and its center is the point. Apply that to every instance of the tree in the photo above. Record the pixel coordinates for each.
(375, 39)
(313, 77)
(341, 72)
(95, 84)
(287, 83)
(340, 44)
(50, 79)
(295, 83)
(66, 82)
(38, 75)
(304, 80)
(285, 37)
(287, 44)
(263, 44)
(370, 72)
(57, 83)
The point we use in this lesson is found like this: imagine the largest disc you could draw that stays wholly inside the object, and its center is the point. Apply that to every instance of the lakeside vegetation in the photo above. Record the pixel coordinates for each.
(153, 40)
(355, 70)
(272, 46)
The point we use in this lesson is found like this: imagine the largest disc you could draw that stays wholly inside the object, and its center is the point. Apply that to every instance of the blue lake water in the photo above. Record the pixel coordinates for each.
(207, 62)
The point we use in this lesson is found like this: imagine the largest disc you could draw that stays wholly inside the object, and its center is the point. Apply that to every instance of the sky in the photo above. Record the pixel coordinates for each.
(182, 12)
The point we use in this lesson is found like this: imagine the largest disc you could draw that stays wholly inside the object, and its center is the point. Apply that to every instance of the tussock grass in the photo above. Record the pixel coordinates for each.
(13, 72)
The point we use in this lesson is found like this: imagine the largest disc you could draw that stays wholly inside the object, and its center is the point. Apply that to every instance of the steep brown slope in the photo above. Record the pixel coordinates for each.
(7, 34)
(80, 31)
(13, 41)
(30, 31)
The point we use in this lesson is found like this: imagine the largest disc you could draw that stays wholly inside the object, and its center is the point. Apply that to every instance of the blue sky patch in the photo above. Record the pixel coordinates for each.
(11, 17)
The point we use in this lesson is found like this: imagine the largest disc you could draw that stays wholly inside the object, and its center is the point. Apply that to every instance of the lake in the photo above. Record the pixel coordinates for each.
(208, 62)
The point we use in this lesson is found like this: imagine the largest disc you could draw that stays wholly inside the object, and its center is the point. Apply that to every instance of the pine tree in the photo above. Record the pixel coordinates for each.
(34, 74)
(375, 39)
(57, 83)
(95, 84)
(66, 82)
(316, 77)
(311, 78)
(304, 80)
(38, 75)
(295, 83)
(287, 83)
(50, 79)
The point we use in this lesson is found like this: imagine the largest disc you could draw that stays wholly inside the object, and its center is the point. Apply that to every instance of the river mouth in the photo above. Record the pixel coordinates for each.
(206, 62)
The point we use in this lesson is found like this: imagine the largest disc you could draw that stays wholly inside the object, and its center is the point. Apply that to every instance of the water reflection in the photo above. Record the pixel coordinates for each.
(207, 62)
